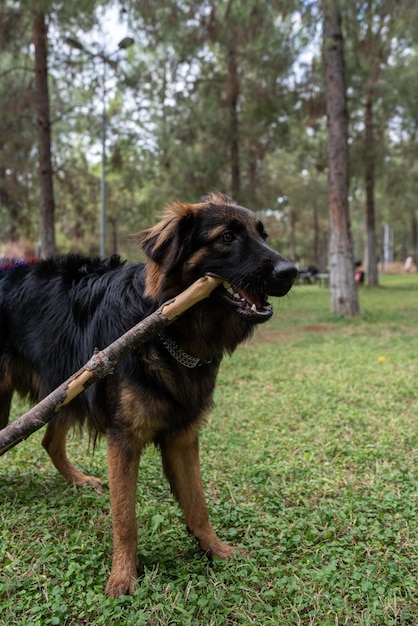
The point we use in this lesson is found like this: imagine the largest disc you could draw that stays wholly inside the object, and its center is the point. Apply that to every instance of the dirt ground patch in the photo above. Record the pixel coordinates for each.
(271, 335)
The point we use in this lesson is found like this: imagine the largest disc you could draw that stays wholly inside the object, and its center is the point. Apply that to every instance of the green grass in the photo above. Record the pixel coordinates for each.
(310, 461)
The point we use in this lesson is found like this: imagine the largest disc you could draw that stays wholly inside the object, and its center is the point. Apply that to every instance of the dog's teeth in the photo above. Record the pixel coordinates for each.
(228, 287)
(254, 308)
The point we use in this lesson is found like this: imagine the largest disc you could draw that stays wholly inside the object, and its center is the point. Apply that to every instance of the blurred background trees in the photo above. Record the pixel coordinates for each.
(227, 94)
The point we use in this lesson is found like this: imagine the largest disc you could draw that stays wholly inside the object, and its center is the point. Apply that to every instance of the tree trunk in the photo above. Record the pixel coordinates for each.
(233, 95)
(344, 297)
(372, 277)
(47, 207)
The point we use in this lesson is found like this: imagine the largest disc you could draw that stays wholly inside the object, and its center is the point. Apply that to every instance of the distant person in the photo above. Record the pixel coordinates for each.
(359, 273)
(309, 275)
(312, 270)
(408, 263)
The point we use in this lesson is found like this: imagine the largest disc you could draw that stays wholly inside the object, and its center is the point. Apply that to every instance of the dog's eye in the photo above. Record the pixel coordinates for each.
(228, 236)
(262, 231)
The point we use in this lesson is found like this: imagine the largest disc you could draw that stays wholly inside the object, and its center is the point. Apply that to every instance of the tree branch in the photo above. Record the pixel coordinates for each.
(102, 363)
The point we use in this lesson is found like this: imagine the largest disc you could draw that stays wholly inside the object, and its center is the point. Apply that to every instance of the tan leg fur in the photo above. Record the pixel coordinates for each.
(123, 463)
(54, 443)
(180, 454)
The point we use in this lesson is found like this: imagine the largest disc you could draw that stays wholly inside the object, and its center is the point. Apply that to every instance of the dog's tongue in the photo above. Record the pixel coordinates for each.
(250, 298)
(251, 307)
(244, 299)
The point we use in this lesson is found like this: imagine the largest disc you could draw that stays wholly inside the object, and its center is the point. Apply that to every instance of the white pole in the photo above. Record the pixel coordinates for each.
(103, 175)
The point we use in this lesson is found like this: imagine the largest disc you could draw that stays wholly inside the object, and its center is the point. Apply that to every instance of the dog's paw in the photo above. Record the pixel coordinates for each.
(223, 551)
(214, 547)
(119, 586)
(88, 481)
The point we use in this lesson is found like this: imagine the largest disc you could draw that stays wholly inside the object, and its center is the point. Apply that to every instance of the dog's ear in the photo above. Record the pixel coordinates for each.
(170, 241)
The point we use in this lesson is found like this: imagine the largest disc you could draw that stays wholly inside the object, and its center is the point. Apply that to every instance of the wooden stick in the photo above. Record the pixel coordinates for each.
(102, 363)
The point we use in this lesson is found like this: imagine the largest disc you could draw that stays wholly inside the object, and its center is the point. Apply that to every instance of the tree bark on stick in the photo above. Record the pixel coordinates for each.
(102, 363)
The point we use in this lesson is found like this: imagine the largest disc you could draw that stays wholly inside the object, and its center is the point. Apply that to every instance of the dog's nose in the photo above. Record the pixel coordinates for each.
(282, 278)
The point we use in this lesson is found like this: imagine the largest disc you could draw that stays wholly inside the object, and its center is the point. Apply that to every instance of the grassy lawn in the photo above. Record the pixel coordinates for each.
(310, 460)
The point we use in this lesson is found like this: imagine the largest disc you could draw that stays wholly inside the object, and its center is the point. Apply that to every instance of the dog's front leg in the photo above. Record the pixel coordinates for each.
(181, 462)
(123, 463)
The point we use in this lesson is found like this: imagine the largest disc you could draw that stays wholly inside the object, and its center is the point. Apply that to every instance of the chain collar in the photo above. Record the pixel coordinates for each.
(181, 356)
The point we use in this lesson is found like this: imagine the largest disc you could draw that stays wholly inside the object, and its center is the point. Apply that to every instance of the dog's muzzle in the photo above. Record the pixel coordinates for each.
(253, 306)
(282, 278)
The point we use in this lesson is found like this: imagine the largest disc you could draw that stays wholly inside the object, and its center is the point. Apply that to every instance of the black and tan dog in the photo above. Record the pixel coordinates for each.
(54, 313)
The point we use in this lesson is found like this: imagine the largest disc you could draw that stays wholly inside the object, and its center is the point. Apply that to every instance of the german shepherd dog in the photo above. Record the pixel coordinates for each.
(53, 314)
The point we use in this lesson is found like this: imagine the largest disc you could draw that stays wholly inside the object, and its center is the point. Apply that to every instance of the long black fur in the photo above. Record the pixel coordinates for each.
(54, 314)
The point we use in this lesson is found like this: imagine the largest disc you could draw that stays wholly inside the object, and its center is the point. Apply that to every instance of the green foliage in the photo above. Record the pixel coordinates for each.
(169, 131)
(309, 461)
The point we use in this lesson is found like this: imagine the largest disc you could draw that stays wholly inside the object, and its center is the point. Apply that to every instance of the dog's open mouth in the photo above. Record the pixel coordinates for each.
(248, 306)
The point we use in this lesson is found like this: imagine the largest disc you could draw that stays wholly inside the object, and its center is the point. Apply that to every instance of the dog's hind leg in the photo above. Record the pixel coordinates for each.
(54, 443)
(5, 403)
(180, 455)
(123, 463)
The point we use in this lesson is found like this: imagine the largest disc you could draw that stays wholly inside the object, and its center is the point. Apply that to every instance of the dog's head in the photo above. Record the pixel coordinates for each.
(216, 237)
